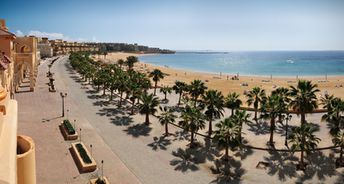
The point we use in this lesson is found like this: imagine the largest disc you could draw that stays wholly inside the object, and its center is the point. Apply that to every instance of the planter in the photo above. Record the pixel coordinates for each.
(67, 133)
(94, 181)
(83, 158)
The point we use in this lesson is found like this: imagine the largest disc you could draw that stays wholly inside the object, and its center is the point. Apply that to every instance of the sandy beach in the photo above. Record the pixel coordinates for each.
(333, 85)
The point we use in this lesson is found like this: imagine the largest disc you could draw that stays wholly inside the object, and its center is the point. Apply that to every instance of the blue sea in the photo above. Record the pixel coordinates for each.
(266, 63)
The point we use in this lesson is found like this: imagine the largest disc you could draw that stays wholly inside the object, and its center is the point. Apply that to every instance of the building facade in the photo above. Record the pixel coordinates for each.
(17, 152)
(45, 48)
(63, 47)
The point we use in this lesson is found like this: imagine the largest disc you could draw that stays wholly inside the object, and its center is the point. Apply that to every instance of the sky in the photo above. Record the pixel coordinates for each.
(225, 25)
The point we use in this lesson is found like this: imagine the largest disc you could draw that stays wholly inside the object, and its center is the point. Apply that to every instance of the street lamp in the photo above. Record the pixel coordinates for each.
(91, 149)
(80, 135)
(102, 169)
(63, 95)
(287, 118)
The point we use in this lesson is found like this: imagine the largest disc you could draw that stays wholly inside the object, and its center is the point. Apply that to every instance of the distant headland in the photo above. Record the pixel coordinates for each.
(131, 48)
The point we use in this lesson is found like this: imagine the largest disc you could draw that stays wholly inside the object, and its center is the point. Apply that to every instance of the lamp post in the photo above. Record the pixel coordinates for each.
(63, 96)
(287, 118)
(80, 135)
(102, 169)
(91, 149)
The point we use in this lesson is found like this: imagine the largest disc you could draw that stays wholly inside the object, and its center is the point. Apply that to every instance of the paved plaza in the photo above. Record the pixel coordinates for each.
(134, 153)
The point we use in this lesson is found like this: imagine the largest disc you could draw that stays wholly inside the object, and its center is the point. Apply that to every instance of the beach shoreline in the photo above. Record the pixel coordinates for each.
(333, 85)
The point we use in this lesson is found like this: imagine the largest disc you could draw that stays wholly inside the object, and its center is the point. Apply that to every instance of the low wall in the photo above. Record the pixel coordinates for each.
(26, 161)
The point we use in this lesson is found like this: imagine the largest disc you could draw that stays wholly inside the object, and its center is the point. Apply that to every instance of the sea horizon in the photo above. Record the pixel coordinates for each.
(278, 63)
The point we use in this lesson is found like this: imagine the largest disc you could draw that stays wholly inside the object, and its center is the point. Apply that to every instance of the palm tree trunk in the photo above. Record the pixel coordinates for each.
(155, 86)
(120, 99)
(272, 128)
(302, 150)
(239, 137)
(98, 88)
(210, 131)
(132, 107)
(104, 90)
(255, 114)
(165, 96)
(232, 112)
(147, 119)
(192, 139)
(166, 129)
(111, 94)
(180, 96)
(303, 118)
(341, 155)
(301, 160)
(226, 153)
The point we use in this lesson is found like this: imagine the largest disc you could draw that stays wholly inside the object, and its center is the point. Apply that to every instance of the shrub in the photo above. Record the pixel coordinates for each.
(69, 127)
(83, 153)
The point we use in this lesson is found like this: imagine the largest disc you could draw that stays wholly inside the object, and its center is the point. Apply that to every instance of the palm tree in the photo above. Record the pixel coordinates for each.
(120, 62)
(334, 106)
(148, 106)
(156, 75)
(166, 116)
(227, 134)
(122, 84)
(105, 54)
(233, 102)
(304, 98)
(196, 88)
(271, 109)
(338, 140)
(256, 97)
(303, 139)
(131, 60)
(135, 93)
(240, 117)
(192, 121)
(165, 90)
(179, 87)
(284, 95)
(213, 100)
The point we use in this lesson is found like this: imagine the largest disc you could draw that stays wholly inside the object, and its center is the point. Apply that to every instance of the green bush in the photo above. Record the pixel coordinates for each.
(83, 153)
(69, 127)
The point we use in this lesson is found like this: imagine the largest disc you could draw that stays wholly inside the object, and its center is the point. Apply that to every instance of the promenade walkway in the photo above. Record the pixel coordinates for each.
(134, 153)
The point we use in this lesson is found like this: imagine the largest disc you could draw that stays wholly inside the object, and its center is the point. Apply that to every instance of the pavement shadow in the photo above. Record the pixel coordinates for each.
(282, 164)
(181, 135)
(184, 161)
(259, 128)
(320, 166)
(110, 112)
(44, 120)
(122, 121)
(227, 171)
(92, 91)
(138, 130)
(244, 152)
(340, 178)
(159, 143)
(208, 151)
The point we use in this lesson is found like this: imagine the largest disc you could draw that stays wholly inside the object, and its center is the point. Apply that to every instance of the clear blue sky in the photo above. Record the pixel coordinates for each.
(185, 24)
